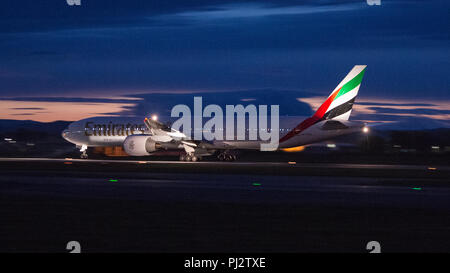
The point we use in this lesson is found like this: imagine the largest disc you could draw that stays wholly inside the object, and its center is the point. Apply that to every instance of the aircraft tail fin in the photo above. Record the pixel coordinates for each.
(337, 106)
(340, 102)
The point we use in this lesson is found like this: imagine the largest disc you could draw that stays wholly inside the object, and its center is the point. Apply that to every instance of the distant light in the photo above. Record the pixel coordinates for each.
(67, 163)
(331, 145)
(365, 129)
(292, 162)
(154, 117)
(12, 141)
(30, 144)
(113, 180)
(7, 139)
(435, 147)
(256, 184)
(417, 189)
(432, 168)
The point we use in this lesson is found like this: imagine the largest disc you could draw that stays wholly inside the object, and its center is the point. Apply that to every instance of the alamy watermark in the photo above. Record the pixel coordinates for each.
(258, 126)
(73, 2)
(374, 247)
(74, 247)
(373, 2)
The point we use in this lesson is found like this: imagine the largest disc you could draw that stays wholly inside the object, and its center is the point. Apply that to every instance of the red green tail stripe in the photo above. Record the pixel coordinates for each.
(320, 113)
(351, 84)
(301, 127)
(324, 107)
(312, 120)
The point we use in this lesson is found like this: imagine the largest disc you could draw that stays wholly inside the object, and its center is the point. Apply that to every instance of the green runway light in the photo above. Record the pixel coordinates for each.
(417, 189)
(256, 184)
(113, 180)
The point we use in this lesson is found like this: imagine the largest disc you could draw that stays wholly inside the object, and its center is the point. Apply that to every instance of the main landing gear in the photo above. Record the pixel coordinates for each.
(189, 154)
(226, 156)
(189, 157)
(83, 151)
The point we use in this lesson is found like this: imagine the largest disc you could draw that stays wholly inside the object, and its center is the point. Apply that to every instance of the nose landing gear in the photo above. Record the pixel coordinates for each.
(83, 151)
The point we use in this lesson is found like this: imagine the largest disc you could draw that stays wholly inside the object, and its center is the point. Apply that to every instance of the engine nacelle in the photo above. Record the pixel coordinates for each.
(139, 145)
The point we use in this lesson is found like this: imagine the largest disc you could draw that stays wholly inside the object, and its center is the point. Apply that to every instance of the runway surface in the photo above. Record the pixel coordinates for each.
(167, 206)
(263, 168)
(237, 163)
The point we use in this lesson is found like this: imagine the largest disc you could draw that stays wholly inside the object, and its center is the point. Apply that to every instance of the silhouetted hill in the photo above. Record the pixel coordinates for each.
(56, 127)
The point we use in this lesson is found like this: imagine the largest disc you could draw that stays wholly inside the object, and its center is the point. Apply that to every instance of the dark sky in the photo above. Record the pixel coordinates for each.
(107, 48)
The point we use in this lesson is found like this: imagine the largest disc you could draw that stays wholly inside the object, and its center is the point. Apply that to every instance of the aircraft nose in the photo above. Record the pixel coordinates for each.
(65, 134)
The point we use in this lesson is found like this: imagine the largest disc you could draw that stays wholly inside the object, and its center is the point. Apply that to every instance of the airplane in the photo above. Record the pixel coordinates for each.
(143, 137)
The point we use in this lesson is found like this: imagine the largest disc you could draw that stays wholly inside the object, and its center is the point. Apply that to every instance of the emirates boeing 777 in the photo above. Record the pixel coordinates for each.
(142, 137)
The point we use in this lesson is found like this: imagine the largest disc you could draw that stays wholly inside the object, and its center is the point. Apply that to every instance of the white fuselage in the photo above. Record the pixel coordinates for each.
(112, 131)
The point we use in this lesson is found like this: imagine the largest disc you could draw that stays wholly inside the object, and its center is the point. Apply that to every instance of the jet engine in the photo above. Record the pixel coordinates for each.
(140, 145)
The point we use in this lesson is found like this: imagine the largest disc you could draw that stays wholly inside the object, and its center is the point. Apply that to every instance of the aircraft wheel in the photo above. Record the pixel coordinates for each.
(83, 156)
(194, 158)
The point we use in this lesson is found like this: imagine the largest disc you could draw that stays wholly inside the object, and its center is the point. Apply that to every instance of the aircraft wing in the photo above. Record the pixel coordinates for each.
(163, 133)
(153, 124)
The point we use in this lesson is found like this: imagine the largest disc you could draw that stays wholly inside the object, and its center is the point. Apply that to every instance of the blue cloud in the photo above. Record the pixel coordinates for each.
(106, 48)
